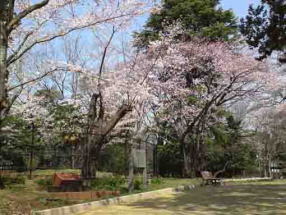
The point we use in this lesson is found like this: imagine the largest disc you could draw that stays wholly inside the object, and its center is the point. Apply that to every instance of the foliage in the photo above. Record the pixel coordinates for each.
(265, 28)
(138, 184)
(226, 147)
(212, 72)
(170, 159)
(108, 183)
(199, 18)
(157, 180)
(44, 182)
(113, 159)
(12, 180)
(269, 139)
(16, 142)
(55, 126)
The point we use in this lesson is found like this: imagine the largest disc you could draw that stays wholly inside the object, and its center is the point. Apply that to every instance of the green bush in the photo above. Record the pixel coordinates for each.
(44, 182)
(157, 181)
(9, 180)
(137, 184)
(108, 183)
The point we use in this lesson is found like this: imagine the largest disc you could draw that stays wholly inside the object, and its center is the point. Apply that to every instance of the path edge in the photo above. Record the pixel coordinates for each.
(78, 208)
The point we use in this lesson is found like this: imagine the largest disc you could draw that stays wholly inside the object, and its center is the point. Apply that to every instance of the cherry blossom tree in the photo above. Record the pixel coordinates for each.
(25, 25)
(269, 139)
(193, 79)
(115, 94)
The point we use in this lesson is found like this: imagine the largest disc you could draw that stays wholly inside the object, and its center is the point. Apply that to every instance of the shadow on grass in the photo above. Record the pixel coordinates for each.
(234, 199)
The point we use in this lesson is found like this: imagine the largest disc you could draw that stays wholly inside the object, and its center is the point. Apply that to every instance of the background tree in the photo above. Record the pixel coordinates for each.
(200, 18)
(226, 147)
(270, 138)
(265, 28)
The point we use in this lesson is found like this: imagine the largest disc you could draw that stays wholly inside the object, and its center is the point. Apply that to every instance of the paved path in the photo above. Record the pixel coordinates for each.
(239, 199)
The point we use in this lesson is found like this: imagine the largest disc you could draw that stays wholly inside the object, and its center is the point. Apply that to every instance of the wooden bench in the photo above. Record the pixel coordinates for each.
(208, 178)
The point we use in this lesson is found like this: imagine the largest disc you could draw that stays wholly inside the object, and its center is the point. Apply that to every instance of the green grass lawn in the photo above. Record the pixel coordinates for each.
(233, 198)
(173, 182)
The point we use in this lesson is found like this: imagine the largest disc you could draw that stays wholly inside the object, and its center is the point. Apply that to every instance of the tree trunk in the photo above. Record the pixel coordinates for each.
(187, 163)
(145, 176)
(3, 70)
(73, 156)
(131, 169)
(193, 157)
(155, 160)
(96, 135)
(91, 157)
(269, 167)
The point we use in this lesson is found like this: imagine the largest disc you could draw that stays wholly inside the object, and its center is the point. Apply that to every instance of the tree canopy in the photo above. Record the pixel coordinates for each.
(202, 18)
(265, 28)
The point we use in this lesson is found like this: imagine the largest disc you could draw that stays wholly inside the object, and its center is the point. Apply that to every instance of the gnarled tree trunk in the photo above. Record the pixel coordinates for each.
(90, 161)
(97, 134)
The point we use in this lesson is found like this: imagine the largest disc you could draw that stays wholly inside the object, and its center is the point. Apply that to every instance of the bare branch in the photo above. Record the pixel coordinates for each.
(20, 47)
(61, 34)
(101, 109)
(24, 13)
(14, 98)
(104, 52)
(33, 80)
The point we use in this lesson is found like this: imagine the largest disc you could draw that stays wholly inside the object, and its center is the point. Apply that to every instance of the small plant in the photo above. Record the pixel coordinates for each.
(108, 183)
(157, 180)
(44, 182)
(9, 180)
(137, 184)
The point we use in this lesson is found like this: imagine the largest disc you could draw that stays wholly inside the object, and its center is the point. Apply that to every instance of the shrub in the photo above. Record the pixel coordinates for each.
(9, 180)
(44, 182)
(108, 183)
(137, 184)
(157, 181)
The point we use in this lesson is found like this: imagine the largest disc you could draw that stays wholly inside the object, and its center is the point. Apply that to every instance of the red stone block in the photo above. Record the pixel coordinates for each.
(62, 178)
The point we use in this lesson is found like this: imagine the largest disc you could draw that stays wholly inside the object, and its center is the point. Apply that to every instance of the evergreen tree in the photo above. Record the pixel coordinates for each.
(201, 18)
(265, 28)
(226, 146)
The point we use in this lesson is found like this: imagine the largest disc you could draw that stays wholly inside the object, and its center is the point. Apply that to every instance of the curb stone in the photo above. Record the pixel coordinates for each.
(248, 179)
(73, 209)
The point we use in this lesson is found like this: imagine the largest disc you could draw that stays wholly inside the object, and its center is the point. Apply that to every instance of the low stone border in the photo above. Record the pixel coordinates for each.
(247, 179)
(67, 210)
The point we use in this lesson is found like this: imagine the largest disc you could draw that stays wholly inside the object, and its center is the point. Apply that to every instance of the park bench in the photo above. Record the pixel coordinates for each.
(208, 178)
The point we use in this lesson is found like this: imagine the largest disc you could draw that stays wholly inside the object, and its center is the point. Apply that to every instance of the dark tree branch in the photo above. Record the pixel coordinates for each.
(20, 47)
(221, 171)
(101, 108)
(105, 51)
(115, 119)
(92, 113)
(61, 34)
(32, 80)
(23, 14)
